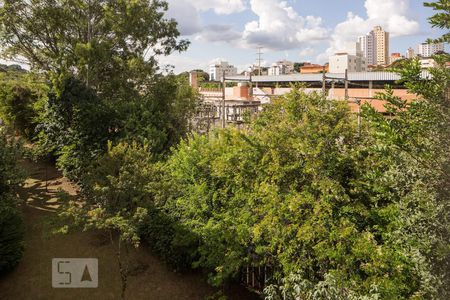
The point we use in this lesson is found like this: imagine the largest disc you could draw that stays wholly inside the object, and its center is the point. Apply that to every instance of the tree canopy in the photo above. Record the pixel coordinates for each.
(106, 44)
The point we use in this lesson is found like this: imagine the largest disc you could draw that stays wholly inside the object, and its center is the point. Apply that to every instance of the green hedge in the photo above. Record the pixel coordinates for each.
(11, 236)
(169, 240)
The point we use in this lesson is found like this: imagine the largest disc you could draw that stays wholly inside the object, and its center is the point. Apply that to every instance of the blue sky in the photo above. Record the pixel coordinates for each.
(298, 30)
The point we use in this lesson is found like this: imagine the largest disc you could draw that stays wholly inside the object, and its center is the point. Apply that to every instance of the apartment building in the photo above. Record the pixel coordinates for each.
(352, 60)
(345, 61)
(429, 49)
(216, 71)
(410, 53)
(282, 67)
(375, 46)
(381, 45)
(367, 47)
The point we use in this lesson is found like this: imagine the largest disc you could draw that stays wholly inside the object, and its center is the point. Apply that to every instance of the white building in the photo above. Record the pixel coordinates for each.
(282, 67)
(427, 63)
(344, 61)
(216, 71)
(429, 49)
(352, 60)
(367, 47)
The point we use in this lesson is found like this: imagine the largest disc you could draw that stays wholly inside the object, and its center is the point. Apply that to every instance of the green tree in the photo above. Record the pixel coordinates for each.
(112, 46)
(115, 193)
(441, 19)
(101, 57)
(75, 125)
(329, 207)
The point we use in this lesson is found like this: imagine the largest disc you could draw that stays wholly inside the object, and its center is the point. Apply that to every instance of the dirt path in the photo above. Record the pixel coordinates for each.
(32, 277)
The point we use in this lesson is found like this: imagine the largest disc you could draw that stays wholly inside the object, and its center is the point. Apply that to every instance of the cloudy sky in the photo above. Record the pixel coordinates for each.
(298, 30)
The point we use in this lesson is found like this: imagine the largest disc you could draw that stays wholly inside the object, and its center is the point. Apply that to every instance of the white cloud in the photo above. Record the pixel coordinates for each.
(306, 52)
(392, 15)
(186, 15)
(280, 27)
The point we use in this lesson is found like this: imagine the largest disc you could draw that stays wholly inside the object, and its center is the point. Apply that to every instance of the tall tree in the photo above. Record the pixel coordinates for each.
(111, 45)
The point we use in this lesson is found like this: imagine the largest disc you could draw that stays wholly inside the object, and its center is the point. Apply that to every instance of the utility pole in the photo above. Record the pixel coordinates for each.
(324, 77)
(346, 84)
(251, 87)
(223, 99)
(259, 60)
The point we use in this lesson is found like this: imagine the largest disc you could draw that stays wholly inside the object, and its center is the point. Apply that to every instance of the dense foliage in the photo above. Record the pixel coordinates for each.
(100, 57)
(110, 45)
(21, 95)
(332, 209)
(300, 192)
(11, 224)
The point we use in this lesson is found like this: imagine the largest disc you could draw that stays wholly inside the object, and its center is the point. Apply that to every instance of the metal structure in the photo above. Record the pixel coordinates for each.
(214, 115)
(352, 76)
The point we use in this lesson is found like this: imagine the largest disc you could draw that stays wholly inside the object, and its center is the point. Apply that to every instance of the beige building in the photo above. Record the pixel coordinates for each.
(381, 38)
(410, 53)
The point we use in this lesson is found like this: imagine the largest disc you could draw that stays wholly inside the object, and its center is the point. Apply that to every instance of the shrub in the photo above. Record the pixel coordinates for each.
(11, 224)
(169, 240)
(11, 234)
(305, 191)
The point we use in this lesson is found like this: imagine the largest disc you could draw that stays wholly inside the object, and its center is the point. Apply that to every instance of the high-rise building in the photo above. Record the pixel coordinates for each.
(429, 49)
(381, 39)
(216, 71)
(375, 46)
(410, 53)
(367, 47)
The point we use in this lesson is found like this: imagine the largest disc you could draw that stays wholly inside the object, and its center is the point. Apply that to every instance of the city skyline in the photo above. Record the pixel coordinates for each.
(231, 30)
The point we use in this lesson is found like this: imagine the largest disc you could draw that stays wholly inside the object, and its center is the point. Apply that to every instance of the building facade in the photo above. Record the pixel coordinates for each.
(394, 57)
(216, 71)
(308, 68)
(427, 62)
(375, 46)
(282, 67)
(344, 61)
(410, 53)
(429, 49)
(381, 38)
(367, 47)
